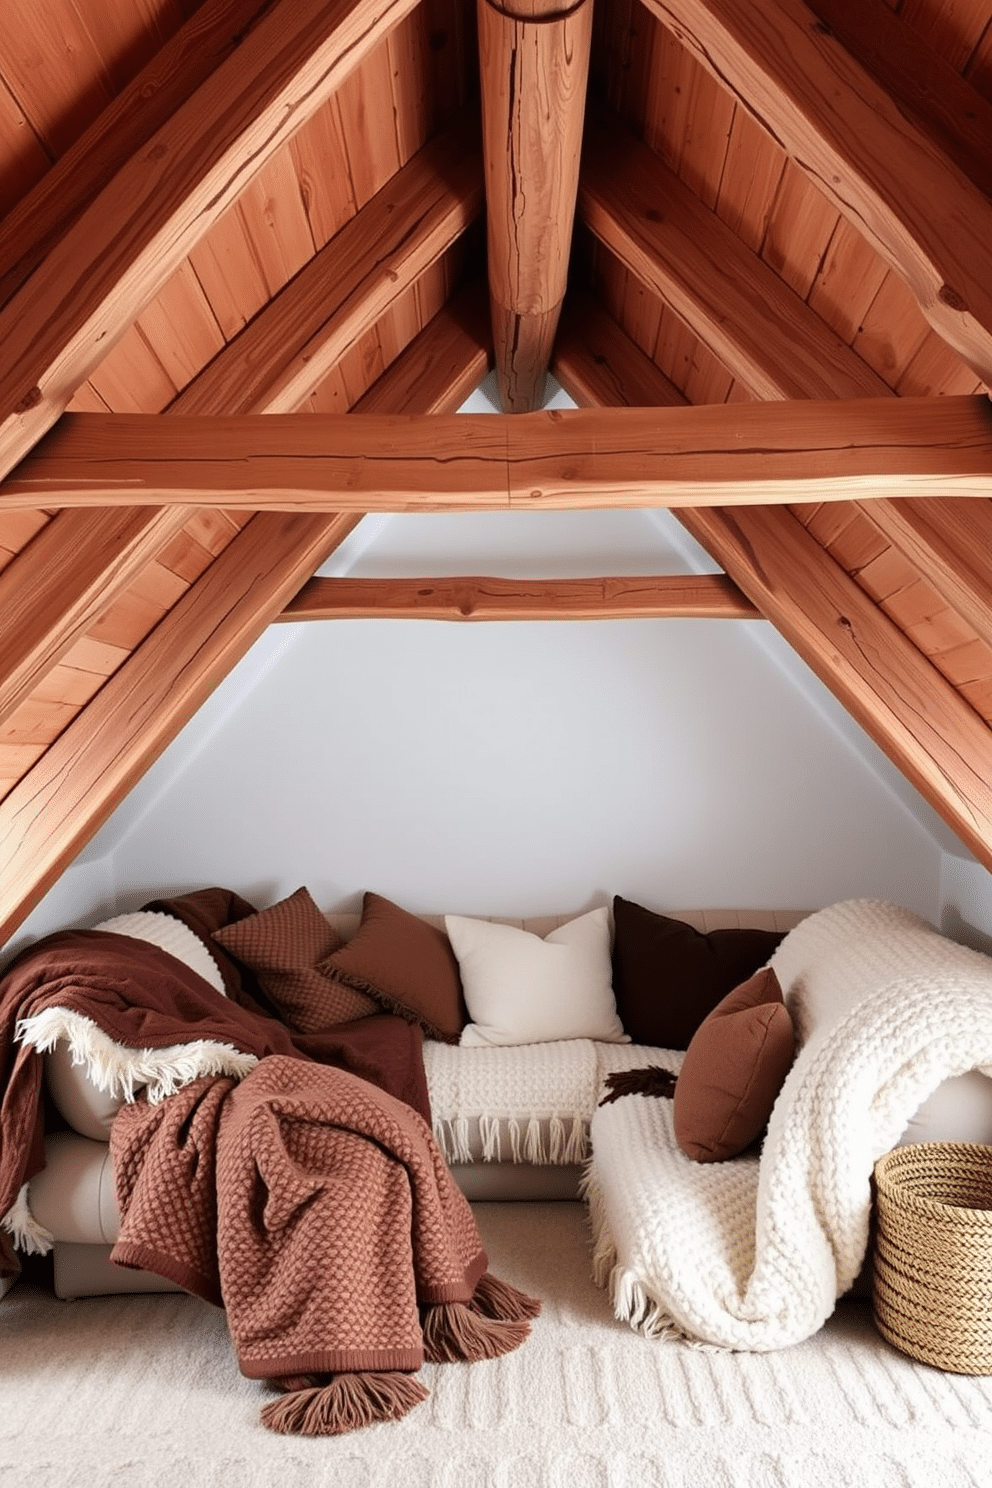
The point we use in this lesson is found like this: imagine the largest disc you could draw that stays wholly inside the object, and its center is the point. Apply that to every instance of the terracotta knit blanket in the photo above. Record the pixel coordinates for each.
(317, 1209)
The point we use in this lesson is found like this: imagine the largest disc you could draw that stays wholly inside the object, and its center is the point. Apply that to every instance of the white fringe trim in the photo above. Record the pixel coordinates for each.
(631, 1302)
(122, 1071)
(119, 1071)
(566, 1140)
(27, 1234)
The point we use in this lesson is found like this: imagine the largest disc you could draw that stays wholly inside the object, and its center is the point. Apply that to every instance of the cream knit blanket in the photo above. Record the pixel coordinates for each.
(753, 1254)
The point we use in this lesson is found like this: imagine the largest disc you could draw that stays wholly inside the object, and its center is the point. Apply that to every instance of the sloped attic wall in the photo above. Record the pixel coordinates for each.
(511, 769)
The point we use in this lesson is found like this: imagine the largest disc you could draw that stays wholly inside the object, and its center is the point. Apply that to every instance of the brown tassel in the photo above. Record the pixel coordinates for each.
(498, 1299)
(345, 1403)
(454, 1333)
(649, 1081)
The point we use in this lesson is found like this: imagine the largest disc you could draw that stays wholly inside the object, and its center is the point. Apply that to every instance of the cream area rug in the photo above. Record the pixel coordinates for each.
(144, 1392)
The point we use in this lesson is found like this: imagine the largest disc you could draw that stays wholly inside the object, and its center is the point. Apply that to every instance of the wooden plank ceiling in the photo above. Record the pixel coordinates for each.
(215, 209)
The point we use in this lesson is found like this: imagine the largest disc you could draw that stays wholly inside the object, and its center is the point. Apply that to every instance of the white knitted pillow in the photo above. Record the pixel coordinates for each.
(520, 989)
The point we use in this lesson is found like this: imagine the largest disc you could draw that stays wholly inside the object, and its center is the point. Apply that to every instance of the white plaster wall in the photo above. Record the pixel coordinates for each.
(530, 769)
(517, 768)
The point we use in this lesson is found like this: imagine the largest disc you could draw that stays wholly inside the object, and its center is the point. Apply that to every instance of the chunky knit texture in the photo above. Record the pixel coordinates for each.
(318, 1210)
(753, 1254)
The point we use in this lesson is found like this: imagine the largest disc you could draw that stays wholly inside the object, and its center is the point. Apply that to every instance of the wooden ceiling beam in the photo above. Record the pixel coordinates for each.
(914, 74)
(592, 361)
(533, 67)
(949, 543)
(897, 695)
(65, 578)
(115, 257)
(50, 814)
(751, 320)
(874, 160)
(54, 811)
(80, 563)
(719, 454)
(34, 226)
(294, 341)
(693, 596)
(443, 365)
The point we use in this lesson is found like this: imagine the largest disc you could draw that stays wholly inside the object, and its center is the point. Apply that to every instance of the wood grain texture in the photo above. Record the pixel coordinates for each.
(128, 122)
(902, 700)
(734, 302)
(882, 169)
(712, 455)
(935, 738)
(949, 542)
(702, 596)
(442, 365)
(152, 693)
(599, 367)
(534, 66)
(117, 255)
(903, 60)
(281, 355)
(85, 774)
(73, 570)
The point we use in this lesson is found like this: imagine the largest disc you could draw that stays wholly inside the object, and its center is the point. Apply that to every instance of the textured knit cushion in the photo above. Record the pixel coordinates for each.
(406, 965)
(668, 976)
(282, 946)
(521, 989)
(733, 1071)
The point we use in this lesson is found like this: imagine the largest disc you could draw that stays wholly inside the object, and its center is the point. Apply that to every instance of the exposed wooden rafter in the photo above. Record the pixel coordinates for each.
(76, 568)
(900, 698)
(443, 365)
(58, 806)
(759, 328)
(115, 257)
(708, 455)
(281, 355)
(698, 597)
(953, 113)
(895, 693)
(67, 577)
(948, 541)
(877, 163)
(49, 816)
(125, 126)
(533, 65)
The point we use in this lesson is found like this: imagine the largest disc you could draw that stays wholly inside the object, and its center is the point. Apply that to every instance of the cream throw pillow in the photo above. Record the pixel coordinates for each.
(520, 989)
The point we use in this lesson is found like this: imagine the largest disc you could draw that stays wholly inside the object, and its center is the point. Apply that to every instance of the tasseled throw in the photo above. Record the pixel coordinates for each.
(653, 1080)
(454, 1333)
(344, 1403)
(498, 1299)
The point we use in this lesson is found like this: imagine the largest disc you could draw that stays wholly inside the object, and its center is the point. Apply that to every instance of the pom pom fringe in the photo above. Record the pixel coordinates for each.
(346, 1403)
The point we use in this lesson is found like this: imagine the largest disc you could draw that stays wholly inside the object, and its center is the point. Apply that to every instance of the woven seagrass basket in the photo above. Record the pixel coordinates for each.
(932, 1276)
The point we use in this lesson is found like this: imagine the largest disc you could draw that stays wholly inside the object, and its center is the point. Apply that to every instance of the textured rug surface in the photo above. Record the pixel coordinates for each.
(144, 1391)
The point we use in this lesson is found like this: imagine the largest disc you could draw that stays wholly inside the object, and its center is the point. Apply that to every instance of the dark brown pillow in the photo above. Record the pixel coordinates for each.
(733, 1071)
(667, 976)
(282, 946)
(406, 964)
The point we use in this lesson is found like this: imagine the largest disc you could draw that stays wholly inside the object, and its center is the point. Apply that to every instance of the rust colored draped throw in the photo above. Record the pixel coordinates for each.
(319, 1212)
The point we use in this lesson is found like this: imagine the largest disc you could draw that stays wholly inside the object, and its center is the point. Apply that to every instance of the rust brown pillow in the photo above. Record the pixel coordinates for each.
(733, 1071)
(282, 946)
(406, 965)
(667, 976)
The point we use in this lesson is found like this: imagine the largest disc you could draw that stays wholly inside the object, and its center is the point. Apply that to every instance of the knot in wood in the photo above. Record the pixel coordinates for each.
(950, 297)
(30, 400)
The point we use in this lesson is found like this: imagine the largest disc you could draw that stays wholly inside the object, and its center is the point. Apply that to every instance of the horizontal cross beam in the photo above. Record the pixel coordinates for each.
(631, 597)
(719, 455)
